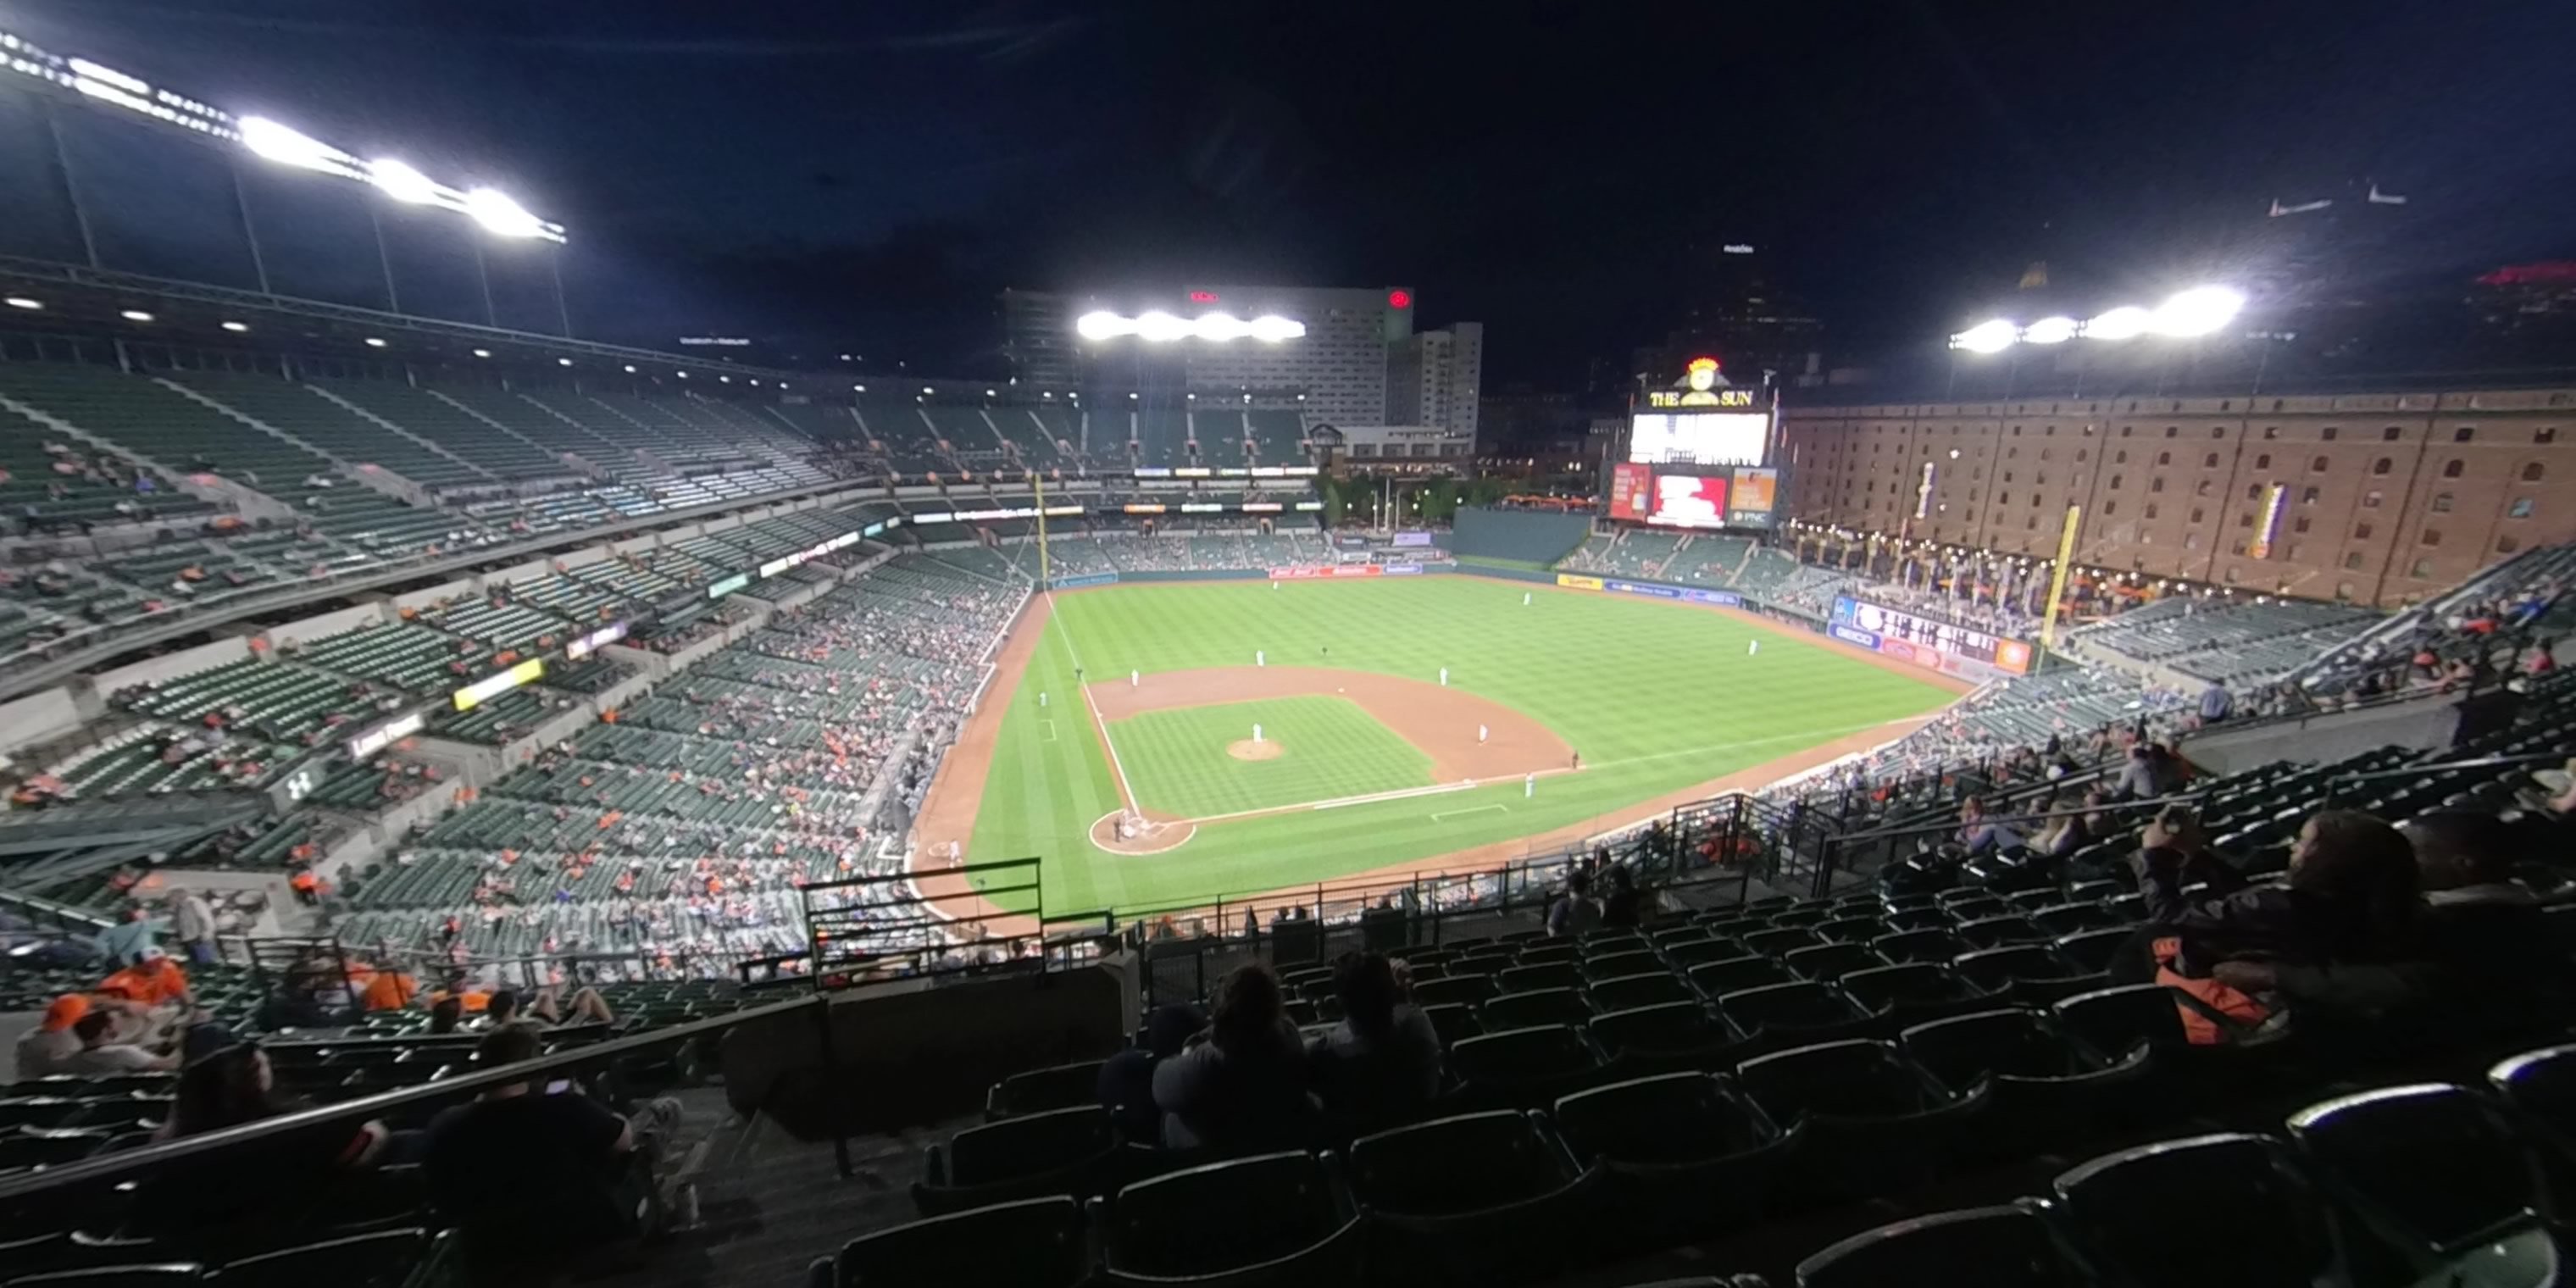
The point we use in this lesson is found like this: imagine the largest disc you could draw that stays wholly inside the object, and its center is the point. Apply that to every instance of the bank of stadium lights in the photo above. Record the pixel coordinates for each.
(2196, 312)
(235, 327)
(563, 362)
(630, 368)
(1158, 327)
(375, 343)
(482, 353)
(22, 302)
(135, 315)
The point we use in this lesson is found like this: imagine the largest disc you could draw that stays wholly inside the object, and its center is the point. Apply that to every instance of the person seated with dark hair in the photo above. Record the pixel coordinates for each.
(2485, 963)
(1240, 1084)
(2349, 899)
(250, 1196)
(538, 1177)
(1575, 912)
(1379, 1067)
(1127, 1078)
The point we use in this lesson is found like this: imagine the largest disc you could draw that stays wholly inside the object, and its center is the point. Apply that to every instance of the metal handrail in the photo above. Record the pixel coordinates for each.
(127, 1163)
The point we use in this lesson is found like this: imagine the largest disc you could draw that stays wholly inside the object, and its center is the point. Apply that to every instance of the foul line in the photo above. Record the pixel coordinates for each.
(1126, 794)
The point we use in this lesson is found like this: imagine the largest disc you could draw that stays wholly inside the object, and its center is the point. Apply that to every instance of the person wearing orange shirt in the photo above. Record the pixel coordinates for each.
(154, 981)
(390, 990)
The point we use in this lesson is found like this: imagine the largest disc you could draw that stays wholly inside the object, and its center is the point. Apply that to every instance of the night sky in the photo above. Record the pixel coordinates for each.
(868, 175)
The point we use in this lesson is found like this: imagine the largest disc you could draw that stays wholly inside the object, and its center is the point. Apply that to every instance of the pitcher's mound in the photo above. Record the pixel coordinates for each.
(1247, 749)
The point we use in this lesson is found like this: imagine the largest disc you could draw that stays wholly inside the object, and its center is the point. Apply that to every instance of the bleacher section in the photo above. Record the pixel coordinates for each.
(1218, 437)
(348, 438)
(2230, 643)
(1278, 437)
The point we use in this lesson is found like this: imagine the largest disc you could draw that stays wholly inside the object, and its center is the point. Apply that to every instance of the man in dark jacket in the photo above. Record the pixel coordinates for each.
(2484, 963)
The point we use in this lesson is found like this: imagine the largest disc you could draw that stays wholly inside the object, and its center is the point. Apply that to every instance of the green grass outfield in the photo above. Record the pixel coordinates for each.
(1656, 697)
(1328, 748)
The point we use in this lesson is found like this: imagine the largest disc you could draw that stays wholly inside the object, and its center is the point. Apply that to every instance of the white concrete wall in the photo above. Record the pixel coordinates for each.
(187, 661)
(633, 544)
(420, 599)
(36, 718)
(317, 627)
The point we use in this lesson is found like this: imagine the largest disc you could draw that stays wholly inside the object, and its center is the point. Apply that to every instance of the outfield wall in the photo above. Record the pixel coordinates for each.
(1532, 536)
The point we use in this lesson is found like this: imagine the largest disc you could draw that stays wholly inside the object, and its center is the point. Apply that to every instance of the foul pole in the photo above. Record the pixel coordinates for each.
(1042, 549)
(2057, 576)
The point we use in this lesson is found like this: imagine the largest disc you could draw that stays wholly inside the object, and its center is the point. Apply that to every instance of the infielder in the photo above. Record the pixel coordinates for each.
(1444, 677)
(1529, 786)
(1481, 733)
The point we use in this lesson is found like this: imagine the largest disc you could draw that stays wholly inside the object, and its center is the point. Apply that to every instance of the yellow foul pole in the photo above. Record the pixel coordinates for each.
(2057, 577)
(1042, 549)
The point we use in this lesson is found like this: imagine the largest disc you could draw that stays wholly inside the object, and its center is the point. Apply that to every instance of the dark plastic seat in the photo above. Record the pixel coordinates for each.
(2218, 1211)
(1635, 961)
(1682, 1153)
(1470, 1199)
(1665, 1036)
(2090, 951)
(1269, 1219)
(1034, 1243)
(1850, 930)
(1995, 932)
(1774, 943)
(1932, 945)
(2024, 972)
(1531, 979)
(1469, 988)
(2541, 1085)
(2044, 1086)
(386, 1259)
(1039, 1090)
(1716, 978)
(1686, 953)
(1061, 1151)
(1523, 1068)
(1646, 988)
(1910, 993)
(2059, 919)
(171, 1275)
(1553, 950)
(1831, 961)
(1874, 1121)
(1797, 1014)
(1452, 1021)
(2435, 1170)
(2115, 1020)
(1991, 1247)
(1541, 1006)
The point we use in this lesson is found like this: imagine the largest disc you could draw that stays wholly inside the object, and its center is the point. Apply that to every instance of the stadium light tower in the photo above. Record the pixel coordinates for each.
(2202, 310)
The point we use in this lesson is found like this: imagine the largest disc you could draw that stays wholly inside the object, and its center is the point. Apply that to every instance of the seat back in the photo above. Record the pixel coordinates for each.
(2209, 1210)
(1831, 961)
(2115, 1020)
(1469, 988)
(1669, 1119)
(2437, 1159)
(1540, 1006)
(1028, 1145)
(1649, 987)
(1992, 1247)
(386, 1259)
(1455, 1165)
(1717, 978)
(1034, 1243)
(1038, 1090)
(1523, 1067)
(1223, 1216)
(2008, 1043)
(1545, 975)
(1855, 1079)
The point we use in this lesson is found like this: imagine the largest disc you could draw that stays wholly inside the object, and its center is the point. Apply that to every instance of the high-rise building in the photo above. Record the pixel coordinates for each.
(1433, 379)
(1038, 339)
(1732, 311)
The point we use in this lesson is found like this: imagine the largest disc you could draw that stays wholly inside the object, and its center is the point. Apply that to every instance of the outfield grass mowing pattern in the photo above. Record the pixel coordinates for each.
(1656, 697)
(1329, 748)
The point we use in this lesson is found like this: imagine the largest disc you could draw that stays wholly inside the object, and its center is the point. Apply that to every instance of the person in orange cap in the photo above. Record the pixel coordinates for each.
(44, 1050)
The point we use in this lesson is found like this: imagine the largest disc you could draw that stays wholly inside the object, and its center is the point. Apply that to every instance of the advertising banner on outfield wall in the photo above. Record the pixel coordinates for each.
(1085, 579)
(1575, 582)
(1686, 594)
(1313, 573)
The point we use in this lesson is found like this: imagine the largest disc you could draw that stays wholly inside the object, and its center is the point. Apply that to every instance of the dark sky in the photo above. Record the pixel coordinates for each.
(868, 174)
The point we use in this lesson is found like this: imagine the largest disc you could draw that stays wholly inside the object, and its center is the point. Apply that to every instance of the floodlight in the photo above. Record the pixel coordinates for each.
(102, 72)
(1993, 336)
(1102, 325)
(1046, 393)
(1221, 326)
(2198, 311)
(1131, 396)
(926, 391)
(374, 343)
(1159, 327)
(500, 215)
(236, 327)
(135, 315)
(482, 353)
(681, 374)
(563, 362)
(725, 379)
(859, 388)
(2124, 323)
(988, 393)
(288, 146)
(22, 302)
(2053, 330)
(630, 368)
(401, 182)
(1274, 328)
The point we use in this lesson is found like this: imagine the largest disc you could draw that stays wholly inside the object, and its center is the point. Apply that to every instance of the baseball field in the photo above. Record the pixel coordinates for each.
(1162, 745)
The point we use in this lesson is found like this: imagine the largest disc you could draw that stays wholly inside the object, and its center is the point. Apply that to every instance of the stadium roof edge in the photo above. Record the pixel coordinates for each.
(118, 289)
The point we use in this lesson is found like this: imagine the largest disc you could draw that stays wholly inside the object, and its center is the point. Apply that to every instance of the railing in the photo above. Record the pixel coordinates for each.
(136, 1164)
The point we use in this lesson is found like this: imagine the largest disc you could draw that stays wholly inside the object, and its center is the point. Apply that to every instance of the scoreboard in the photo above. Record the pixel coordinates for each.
(1939, 644)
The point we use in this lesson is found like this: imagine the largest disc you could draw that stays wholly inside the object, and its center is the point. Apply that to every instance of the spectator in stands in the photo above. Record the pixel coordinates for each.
(153, 982)
(388, 989)
(1380, 1066)
(1980, 833)
(194, 919)
(1127, 1078)
(1240, 1084)
(1575, 912)
(2350, 898)
(2063, 834)
(445, 1014)
(123, 943)
(1623, 907)
(588, 1007)
(2486, 964)
(43, 1050)
(537, 1179)
(100, 1052)
(2215, 703)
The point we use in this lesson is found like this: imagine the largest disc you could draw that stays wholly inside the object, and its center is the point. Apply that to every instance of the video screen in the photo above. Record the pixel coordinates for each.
(1698, 438)
(1632, 492)
(1689, 501)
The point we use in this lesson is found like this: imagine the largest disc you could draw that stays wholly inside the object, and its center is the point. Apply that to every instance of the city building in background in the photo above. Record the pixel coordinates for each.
(1433, 378)
(2373, 498)
(1729, 306)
